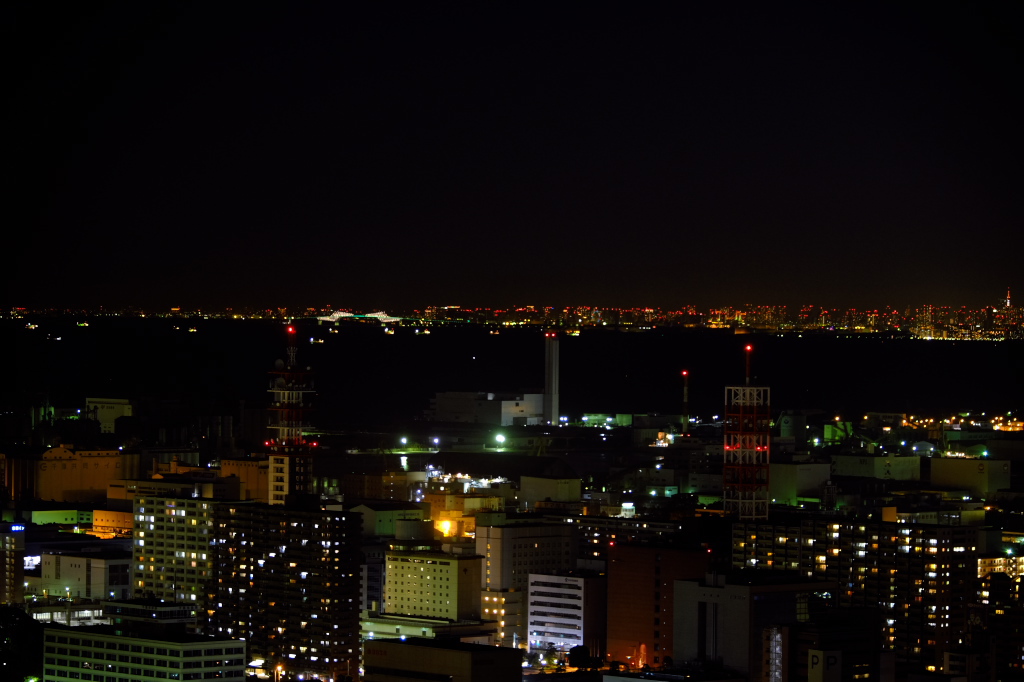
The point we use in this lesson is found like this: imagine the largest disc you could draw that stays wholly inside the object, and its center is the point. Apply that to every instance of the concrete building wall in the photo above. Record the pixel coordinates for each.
(981, 477)
(381, 522)
(904, 468)
(469, 407)
(640, 600)
(86, 576)
(68, 476)
(524, 410)
(71, 517)
(534, 489)
(107, 410)
(787, 482)
(415, 660)
(114, 522)
(489, 408)
(252, 474)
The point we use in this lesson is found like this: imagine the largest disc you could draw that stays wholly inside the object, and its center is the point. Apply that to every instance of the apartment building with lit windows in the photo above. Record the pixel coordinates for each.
(921, 575)
(595, 534)
(171, 544)
(286, 579)
(12, 563)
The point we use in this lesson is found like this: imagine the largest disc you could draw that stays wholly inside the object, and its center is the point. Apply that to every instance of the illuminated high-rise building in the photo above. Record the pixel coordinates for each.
(171, 545)
(920, 575)
(285, 578)
(12, 563)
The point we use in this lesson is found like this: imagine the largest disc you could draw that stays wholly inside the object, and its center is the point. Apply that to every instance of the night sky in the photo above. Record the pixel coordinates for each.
(379, 155)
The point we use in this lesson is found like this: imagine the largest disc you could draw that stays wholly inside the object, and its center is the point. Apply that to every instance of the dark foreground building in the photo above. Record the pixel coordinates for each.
(416, 659)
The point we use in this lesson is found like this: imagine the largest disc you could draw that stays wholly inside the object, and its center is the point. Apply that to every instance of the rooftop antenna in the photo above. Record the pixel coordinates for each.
(686, 400)
(749, 349)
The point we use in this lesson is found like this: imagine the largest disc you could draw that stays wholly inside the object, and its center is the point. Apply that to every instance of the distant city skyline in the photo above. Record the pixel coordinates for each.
(357, 309)
(998, 321)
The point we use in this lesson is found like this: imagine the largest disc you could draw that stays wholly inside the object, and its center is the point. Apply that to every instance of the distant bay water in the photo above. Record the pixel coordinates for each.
(367, 378)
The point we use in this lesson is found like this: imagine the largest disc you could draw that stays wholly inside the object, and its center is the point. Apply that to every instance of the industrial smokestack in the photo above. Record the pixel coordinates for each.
(551, 377)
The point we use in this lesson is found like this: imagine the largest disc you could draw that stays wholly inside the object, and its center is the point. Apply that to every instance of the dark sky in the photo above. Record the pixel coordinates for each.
(230, 154)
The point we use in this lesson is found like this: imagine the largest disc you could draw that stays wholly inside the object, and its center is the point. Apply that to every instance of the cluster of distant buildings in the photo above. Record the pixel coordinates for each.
(999, 321)
(497, 537)
(306, 573)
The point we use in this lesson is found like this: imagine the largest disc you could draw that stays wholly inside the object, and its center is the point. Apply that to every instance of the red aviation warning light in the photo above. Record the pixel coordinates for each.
(684, 373)
(291, 330)
(749, 348)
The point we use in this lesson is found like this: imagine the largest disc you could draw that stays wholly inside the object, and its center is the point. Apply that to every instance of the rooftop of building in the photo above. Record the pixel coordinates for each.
(759, 578)
(434, 554)
(170, 635)
(445, 644)
(148, 602)
(405, 619)
(103, 554)
(385, 505)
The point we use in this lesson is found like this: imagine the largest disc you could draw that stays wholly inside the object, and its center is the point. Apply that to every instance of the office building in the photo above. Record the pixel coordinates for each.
(433, 584)
(105, 652)
(566, 611)
(511, 553)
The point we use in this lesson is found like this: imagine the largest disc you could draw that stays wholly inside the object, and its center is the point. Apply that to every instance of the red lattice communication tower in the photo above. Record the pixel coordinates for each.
(291, 388)
(747, 441)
